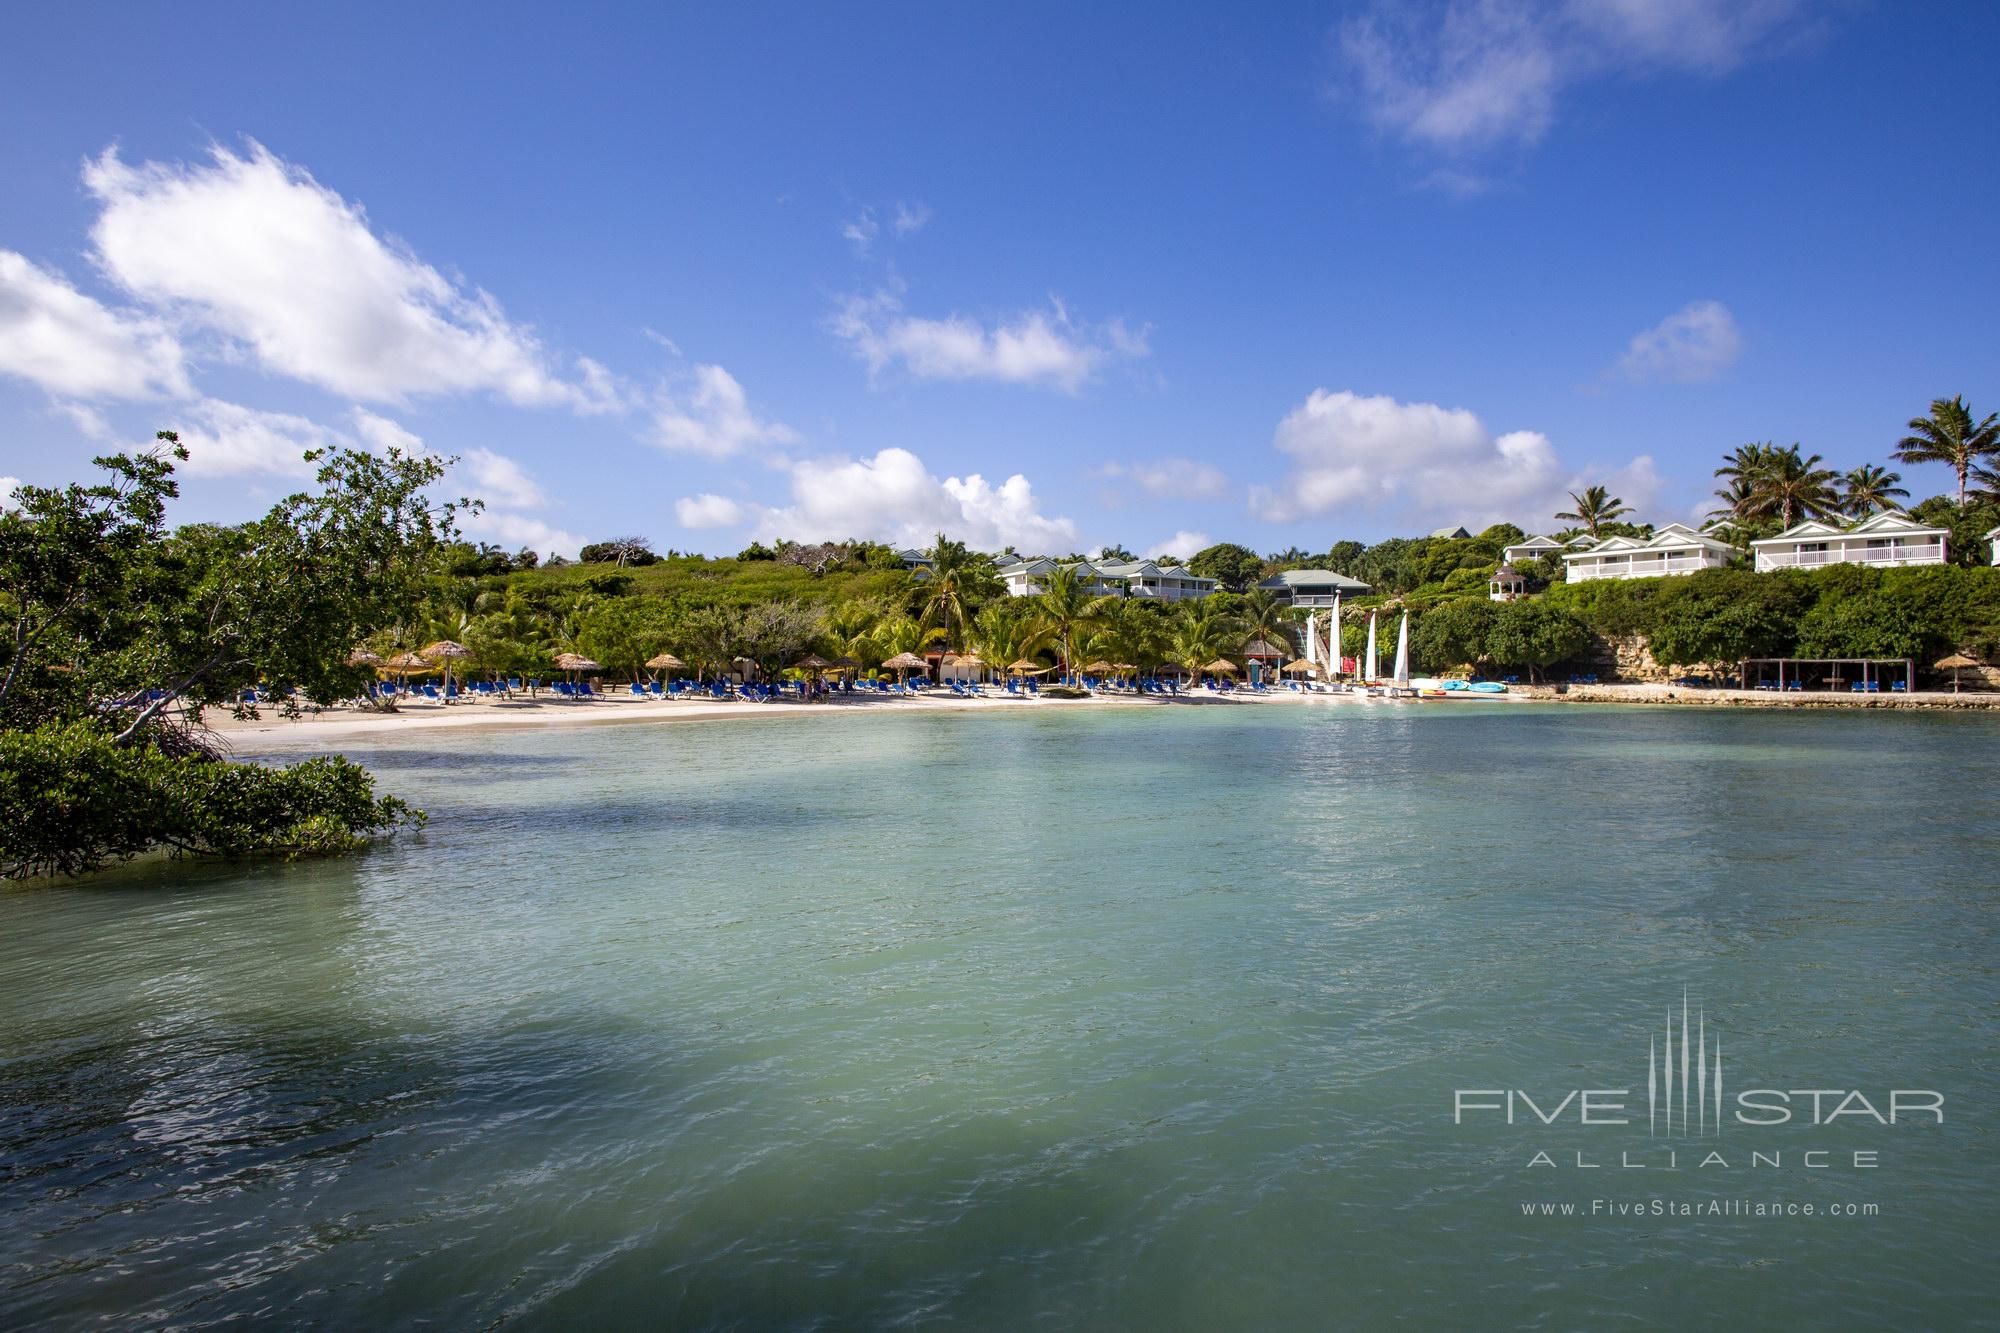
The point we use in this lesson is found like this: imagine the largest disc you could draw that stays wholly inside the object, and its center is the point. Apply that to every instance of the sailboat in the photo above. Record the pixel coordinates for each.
(1333, 658)
(1370, 666)
(1312, 640)
(1401, 677)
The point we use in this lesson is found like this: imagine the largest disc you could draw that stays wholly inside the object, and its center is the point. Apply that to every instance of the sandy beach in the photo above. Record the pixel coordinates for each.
(329, 728)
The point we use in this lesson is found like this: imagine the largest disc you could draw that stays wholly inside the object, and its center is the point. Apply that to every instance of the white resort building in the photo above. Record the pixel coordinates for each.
(1312, 587)
(1531, 549)
(1891, 537)
(1129, 578)
(1673, 549)
(1994, 537)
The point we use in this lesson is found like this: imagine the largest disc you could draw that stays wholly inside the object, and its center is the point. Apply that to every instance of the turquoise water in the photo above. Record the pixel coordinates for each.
(1108, 1017)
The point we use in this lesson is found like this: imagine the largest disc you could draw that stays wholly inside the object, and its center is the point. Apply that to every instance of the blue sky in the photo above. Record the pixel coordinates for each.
(1047, 276)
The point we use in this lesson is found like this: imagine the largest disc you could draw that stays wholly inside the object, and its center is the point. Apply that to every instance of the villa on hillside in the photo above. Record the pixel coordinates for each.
(1312, 587)
(1129, 578)
(1673, 549)
(1891, 537)
(1532, 549)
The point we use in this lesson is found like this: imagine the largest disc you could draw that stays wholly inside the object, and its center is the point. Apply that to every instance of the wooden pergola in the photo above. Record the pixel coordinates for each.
(1870, 668)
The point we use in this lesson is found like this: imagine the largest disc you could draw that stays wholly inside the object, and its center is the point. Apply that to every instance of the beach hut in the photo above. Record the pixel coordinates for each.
(903, 664)
(447, 652)
(1956, 663)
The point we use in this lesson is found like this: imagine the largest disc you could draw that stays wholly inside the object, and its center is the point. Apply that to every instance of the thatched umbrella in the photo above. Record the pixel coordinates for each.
(362, 657)
(1222, 666)
(1299, 668)
(575, 662)
(812, 662)
(663, 662)
(904, 663)
(1954, 664)
(973, 660)
(1099, 667)
(1025, 666)
(446, 651)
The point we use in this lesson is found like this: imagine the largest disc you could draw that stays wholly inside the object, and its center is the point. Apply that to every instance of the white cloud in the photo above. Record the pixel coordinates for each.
(53, 335)
(1697, 342)
(8, 485)
(255, 250)
(715, 419)
(499, 480)
(518, 530)
(910, 218)
(1171, 478)
(701, 512)
(1182, 544)
(1482, 72)
(1351, 452)
(861, 230)
(228, 439)
(893, 497)
(381, 434)
(1044, 348)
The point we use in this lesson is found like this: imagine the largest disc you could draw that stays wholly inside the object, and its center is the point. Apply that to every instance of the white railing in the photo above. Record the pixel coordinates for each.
(1930, 553)
(1636, 569)
(1315, 600)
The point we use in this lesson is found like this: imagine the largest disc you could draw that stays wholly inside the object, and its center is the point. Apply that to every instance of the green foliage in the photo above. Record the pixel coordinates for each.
(1723, 616)
(1234, 567)
(1967, 524)
(72, 801)
(1453, 633)
(1535, 635)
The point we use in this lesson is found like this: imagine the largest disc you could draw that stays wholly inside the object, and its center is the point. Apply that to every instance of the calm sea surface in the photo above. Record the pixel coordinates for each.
(1118, 1017)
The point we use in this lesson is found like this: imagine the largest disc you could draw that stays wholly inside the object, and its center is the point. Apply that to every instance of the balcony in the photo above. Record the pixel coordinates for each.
(1930, 553)
(1642, 568)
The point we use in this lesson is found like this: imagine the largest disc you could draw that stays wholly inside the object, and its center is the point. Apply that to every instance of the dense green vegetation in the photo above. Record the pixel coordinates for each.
(116, 620)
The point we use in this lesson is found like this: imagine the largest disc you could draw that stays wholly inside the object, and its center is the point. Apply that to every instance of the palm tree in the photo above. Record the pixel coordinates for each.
(850, 629)
(1007, 630)
(956, 585)
(1206, 632)
(1869, 488)
(1793, 485)
(1595, 507)
(1739, 499)
(1948, 435)
(1265, 617)
(1066, 606)
(1985, 484)
(1745, 469)
(1129, 630)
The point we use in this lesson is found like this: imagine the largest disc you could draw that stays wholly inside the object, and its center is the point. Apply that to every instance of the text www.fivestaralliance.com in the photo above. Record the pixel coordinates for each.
(1612, 1209)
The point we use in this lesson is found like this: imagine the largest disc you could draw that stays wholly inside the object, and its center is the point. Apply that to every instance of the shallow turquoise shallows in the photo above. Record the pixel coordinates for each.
(1146, 1017)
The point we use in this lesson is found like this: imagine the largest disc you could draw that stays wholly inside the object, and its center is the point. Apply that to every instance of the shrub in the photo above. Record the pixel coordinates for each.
(72, 802)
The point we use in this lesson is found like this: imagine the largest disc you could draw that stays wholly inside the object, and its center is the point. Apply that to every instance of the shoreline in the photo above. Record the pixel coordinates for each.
(346, 724)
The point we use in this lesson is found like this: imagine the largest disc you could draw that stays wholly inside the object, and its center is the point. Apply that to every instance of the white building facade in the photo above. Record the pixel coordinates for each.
(1315, 588)
(1673, 549)
(1126, 578)
(1891, 537)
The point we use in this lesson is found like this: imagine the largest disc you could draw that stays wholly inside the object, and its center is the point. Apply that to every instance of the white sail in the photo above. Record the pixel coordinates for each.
(1370, 667)
(1403, 651)
(1333, 663)
(1312, 639)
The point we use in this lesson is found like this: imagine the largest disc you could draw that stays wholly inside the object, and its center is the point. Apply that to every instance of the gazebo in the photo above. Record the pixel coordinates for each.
(1507, 584)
